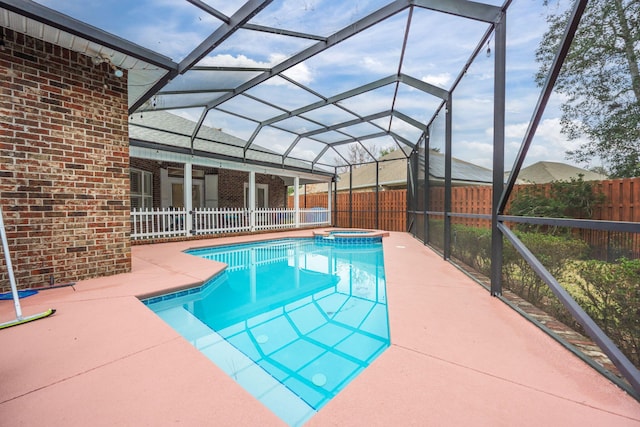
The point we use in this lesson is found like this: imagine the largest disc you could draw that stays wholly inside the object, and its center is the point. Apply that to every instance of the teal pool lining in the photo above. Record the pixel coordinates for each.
(209, 282)
(294, 374)
(331, 337)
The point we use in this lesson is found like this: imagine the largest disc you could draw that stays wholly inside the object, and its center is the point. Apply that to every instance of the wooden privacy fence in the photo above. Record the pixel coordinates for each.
(621, 200)
(361, 212)
(391, 212)
(621, 203)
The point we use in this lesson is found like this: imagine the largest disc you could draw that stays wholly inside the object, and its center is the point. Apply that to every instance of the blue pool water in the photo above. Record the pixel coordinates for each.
(293, 320)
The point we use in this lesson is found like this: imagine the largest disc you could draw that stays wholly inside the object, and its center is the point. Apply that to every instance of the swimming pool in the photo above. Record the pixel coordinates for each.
(292, 320)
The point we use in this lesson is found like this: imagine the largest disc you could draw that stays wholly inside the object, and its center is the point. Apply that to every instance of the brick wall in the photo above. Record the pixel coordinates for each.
(231, 188)
(64, 165)
(276, 189)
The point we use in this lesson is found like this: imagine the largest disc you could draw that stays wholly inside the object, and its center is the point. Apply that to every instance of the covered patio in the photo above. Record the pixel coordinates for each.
(456, 357)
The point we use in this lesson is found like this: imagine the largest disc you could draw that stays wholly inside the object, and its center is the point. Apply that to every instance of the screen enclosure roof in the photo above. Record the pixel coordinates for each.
(306, 85)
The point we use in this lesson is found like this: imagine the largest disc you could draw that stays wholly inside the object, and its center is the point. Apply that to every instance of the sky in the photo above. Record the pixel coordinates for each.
(437, 47)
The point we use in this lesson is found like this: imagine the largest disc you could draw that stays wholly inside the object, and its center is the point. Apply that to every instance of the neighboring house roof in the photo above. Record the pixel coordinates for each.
(461, 172)
(392, 172)
(543, 172)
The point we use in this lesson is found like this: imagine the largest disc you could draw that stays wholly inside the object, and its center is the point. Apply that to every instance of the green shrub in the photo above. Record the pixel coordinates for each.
(552, 251)
(610, 294)
(560, 199)
(472, 246)
(436, 233)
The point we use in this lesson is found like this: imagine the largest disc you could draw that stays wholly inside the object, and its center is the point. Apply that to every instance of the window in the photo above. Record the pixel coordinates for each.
(177, 193)
(141, 189)
(262, 195)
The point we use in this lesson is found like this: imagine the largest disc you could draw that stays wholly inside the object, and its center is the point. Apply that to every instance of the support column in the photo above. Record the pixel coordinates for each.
(498, 153)
(377, 213)
(252, 200)
(447, 178)
(427, 150)
(412, 203)
(335, 201)
(296, 200)
(350, 196)
(329, 188)
(187, 186)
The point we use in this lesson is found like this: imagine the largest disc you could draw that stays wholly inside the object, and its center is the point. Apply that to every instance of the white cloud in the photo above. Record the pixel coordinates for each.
(189, 114)
(405, 129)
(441, 80)
(227, 60)
(374, 64)
(300, 72)
(515, 130)
(478, 153)
(548, 144)
(478, 147)
(304, 154)
(369, 102)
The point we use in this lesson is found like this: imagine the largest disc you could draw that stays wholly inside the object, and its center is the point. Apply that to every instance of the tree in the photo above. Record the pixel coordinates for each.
(388, 150)
(599, 169)
(356, 155)
(601, 82)
(576, 198)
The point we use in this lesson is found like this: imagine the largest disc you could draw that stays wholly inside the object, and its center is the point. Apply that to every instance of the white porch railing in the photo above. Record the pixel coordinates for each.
(161, 223)
(314, 216)
(273, 219)
(155, 223)
(221, 220)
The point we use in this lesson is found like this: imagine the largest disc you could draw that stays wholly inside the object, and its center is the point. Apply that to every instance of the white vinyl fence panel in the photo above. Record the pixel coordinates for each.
(157, 223)
(171, 222)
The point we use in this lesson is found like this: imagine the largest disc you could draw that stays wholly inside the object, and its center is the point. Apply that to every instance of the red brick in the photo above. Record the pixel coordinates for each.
(64, 152)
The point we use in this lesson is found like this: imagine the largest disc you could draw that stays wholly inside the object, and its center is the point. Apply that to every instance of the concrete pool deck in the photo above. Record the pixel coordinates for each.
(458, 357)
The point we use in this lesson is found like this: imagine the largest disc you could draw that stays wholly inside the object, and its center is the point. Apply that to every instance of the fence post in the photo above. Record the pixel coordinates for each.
(296, 201)
(447, 178)
(377, 196)
(252, 201)
(187, 192)
(329, 186)
(498, 154)
(350, 196)
(335, 202)
(427, 193)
